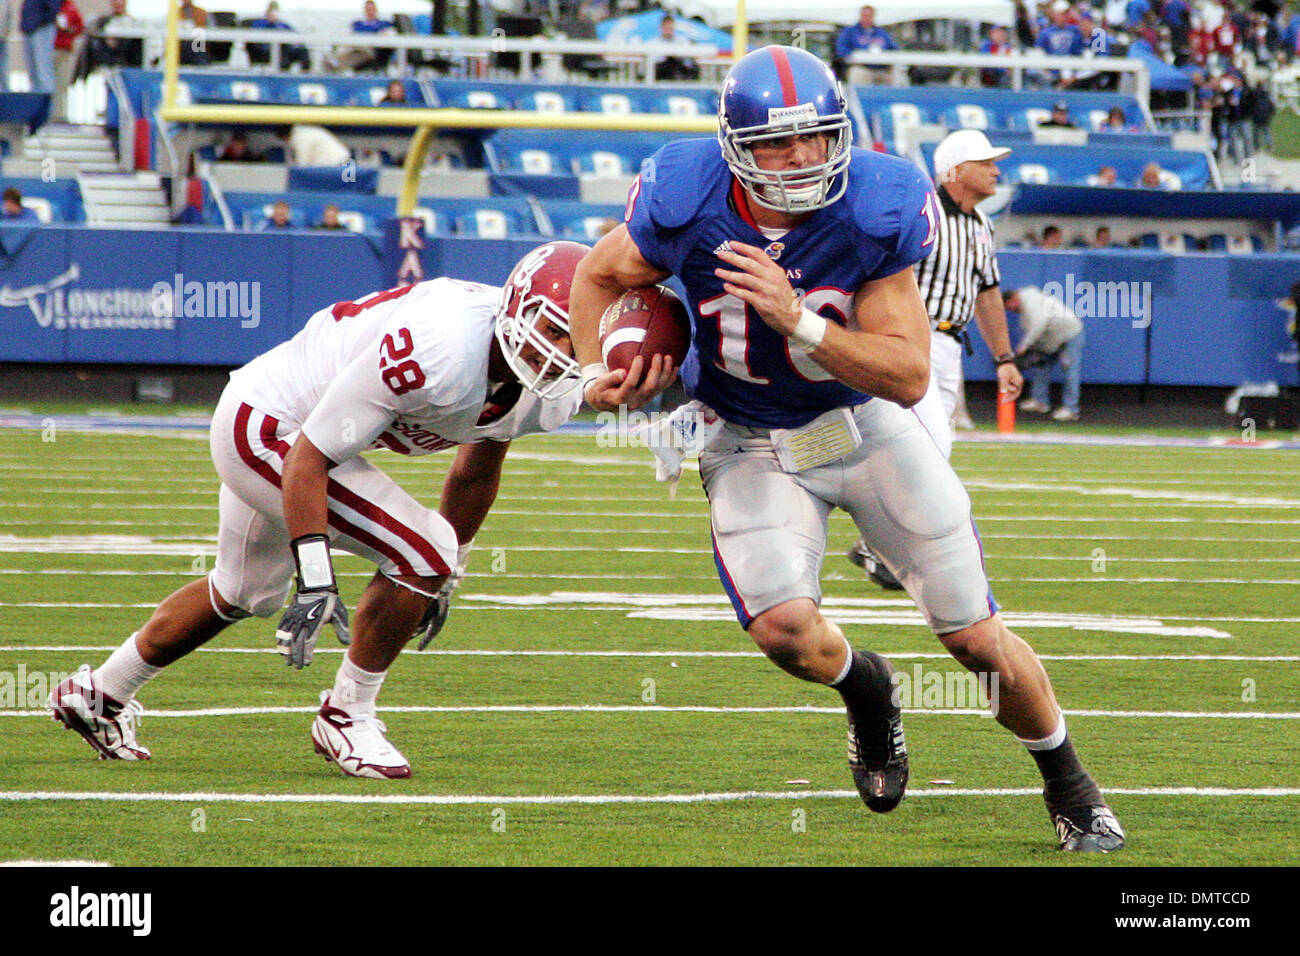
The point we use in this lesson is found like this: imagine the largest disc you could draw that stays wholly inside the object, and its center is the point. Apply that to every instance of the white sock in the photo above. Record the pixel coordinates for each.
(124, 673)
(356, 690)
(1050, 742)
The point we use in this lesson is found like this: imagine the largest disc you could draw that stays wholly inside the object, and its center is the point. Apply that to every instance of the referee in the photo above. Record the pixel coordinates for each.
(959, 282)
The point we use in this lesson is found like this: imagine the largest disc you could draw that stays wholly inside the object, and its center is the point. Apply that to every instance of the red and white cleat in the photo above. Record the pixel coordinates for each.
(107, 724)
(356, 744)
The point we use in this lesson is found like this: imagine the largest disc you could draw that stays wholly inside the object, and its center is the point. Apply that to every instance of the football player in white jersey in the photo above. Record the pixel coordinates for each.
(414, 369)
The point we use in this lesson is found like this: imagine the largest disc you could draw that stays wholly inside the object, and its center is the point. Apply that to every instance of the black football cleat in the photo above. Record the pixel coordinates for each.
(1083, 821)
(1088, 829)
(876, 571)
(878, 759)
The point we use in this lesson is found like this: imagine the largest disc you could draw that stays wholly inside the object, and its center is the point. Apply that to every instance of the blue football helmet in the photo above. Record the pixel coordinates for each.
(772, 93)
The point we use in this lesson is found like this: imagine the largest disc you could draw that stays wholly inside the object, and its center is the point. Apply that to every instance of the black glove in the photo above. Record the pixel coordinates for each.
(316, 602)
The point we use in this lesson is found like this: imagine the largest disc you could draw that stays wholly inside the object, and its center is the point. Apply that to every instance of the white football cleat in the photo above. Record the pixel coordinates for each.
(108, 725)
(356, 744)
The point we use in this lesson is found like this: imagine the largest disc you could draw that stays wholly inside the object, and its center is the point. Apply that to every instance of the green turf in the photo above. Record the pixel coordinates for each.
(1125, 543)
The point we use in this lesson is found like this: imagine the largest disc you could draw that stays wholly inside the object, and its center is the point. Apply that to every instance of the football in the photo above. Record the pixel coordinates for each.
(648, 322)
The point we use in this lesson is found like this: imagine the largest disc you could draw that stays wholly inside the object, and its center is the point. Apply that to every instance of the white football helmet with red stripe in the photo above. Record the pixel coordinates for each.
(781, 91)
(532, 324)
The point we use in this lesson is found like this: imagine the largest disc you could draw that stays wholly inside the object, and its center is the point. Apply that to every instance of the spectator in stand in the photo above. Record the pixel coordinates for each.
(1060, 38)
(1106, 176)
(674, 67)
(1026, 29)
(13, 208)
(329, 218)
(1135, 12)
(313, 146)
(1260, 39)
(395, 94)
(1098, 41)
(68, 29)
(364, 59)
(996, 45)
(237, 150)
(194, 52)
(290, 54)
(1101, 239)
(1050, 334)
(864, 36)
(1117, 122)
(101, 50)
(1263, 108)
(1060, 118)
(1053, 238)
(1177, 16)
(37, 22)
(1288, 25)
(6, 25)
(1153, 177)
(281, 218)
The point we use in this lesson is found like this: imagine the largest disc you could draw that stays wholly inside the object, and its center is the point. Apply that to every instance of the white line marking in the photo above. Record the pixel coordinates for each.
(754, 655)
(611, 798)
(685, 709)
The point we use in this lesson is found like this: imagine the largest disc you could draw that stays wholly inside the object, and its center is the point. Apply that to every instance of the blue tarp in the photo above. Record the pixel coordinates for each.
(644, 27)
(1163, 76)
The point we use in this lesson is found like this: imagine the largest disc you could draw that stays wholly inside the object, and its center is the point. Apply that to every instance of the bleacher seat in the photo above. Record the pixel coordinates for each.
(249, 92)
(434, 224)
(41, 206)
(968, 116)
(313, 94)
(352, 220)
(584, 222)
(1032, 173)
(615, 104)
(486, 224)
(603, 164)
(537, 162)
(544, 101)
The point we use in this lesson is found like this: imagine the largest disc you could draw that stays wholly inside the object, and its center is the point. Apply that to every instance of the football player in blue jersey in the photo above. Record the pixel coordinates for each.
(811, 342)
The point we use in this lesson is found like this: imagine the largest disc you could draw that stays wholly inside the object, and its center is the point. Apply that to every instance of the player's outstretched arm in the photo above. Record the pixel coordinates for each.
(613, 267)
(316, 601)
(885, 351)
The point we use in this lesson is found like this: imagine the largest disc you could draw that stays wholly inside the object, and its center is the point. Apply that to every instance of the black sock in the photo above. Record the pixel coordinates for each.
(867, 689)
(1065, 781)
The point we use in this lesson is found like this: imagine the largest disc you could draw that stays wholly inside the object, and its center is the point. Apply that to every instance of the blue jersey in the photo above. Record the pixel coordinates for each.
(685, 205)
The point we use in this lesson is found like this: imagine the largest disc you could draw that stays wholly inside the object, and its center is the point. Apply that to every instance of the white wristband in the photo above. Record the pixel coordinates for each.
(809, 331)
(592, 372)
(462, 558)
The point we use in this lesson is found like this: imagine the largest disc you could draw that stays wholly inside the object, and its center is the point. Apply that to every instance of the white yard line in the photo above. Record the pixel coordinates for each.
(682, 654)
(204, 796)
(684, 709)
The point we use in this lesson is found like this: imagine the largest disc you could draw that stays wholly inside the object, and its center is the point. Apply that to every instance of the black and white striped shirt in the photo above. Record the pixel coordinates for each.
(962, 265)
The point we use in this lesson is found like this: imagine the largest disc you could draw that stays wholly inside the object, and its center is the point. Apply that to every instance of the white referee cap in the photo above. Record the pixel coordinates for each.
(964, 146)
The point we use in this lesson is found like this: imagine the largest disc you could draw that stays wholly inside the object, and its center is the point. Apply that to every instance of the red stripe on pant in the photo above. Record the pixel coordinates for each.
(267, 436)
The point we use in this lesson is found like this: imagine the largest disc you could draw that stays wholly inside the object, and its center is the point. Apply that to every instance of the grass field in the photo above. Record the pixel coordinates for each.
(592, 700)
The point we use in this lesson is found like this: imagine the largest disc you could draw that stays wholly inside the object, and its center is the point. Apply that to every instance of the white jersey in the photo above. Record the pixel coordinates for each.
(405, 369)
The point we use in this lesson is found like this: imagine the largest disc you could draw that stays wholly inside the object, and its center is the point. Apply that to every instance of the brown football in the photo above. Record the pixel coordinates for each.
(647, 322)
